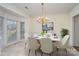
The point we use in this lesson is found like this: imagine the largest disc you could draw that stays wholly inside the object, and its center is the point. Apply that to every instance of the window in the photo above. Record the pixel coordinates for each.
(1, 31)
(11, 31)
(22, 30)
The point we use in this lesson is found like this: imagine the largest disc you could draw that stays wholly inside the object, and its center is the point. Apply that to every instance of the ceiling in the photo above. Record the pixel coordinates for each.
(35, 9)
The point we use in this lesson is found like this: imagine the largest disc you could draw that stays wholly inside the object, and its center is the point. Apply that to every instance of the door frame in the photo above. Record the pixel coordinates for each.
(73, 29)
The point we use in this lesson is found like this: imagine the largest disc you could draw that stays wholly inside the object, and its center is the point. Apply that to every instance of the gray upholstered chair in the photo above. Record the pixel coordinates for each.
(63, 44)
(33, 45)
(46, 46)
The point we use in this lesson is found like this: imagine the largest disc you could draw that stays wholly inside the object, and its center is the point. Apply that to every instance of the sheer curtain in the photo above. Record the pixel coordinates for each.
(11, 31)
(1, 31)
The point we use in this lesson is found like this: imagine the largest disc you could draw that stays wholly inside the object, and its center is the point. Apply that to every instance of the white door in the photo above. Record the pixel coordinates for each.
(76, 31)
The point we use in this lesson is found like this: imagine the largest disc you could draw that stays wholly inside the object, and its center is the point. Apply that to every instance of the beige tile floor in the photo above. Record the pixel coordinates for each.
(14, 50)
(20, 50)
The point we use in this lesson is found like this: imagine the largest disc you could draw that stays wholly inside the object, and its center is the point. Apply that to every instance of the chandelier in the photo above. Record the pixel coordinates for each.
(43, 19)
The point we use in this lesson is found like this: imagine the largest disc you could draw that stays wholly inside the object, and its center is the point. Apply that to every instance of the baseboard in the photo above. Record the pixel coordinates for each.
(13, 43)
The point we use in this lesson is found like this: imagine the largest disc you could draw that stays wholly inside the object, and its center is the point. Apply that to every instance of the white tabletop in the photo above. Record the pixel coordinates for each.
(55, 39)
(52, 38)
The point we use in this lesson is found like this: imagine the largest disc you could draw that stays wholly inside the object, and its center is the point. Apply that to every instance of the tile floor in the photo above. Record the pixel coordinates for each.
(20, 50)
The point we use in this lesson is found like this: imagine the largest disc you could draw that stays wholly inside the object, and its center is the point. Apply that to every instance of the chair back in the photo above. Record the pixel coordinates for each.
(65, 40)
(33, 44)
(46, 45)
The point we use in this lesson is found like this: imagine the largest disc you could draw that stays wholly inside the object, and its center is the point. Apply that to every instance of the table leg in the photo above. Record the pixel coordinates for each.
(29, 52)
(66, 51)
(57, 51)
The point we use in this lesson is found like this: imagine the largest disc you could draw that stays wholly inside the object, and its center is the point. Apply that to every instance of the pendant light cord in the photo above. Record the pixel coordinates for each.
(42, 9)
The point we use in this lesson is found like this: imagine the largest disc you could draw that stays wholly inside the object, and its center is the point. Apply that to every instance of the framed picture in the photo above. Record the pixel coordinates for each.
(44, 27)
(48, 27)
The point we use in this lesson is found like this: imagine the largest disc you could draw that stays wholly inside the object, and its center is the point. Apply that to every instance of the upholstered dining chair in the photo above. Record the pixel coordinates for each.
(63, 44)
(46, 46)
(33, 45)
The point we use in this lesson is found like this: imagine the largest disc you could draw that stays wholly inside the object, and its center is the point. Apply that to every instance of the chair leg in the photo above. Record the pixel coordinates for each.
(50, 54)
(0, 51)
(66, 51)
(35, 53)
(29, 52)
(57, 51)
(41, 53)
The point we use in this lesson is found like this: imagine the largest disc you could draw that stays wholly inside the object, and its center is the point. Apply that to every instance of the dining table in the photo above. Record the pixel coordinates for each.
(54, 39)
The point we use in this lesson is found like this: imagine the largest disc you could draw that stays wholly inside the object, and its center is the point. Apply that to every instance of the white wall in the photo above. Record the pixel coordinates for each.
(35, 26)
(60, 21)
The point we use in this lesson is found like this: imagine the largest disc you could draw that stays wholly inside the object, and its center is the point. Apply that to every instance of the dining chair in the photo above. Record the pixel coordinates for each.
(46, 46)
(63, 44)
(33, 45)
(0, 51)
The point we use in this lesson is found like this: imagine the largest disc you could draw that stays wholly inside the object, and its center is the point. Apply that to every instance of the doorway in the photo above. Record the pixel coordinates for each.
(76, 31)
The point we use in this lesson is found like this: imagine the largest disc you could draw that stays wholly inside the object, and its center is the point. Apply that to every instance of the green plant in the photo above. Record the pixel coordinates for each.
(42, 33)
(64, 32)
